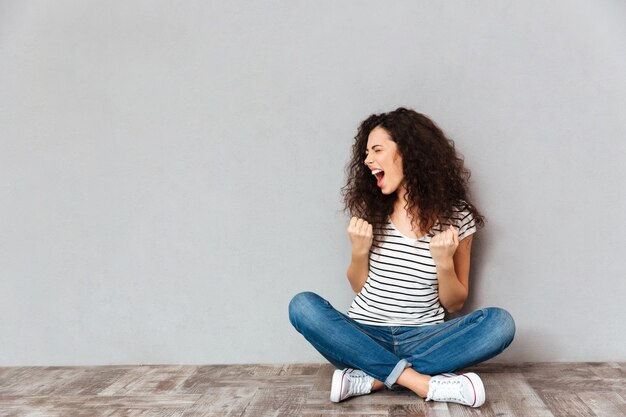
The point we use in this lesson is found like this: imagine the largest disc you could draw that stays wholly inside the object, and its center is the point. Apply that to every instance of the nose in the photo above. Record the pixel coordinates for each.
(367, 161)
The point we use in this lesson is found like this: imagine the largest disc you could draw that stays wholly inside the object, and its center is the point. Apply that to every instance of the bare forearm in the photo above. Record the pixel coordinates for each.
(361, 236)
(357, 271)
(452, 293)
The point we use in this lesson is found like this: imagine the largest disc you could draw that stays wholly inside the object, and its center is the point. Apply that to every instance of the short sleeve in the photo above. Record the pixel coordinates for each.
(466, 223)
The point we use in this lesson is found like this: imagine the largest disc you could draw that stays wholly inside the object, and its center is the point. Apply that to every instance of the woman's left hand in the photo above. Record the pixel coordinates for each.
(443, 246)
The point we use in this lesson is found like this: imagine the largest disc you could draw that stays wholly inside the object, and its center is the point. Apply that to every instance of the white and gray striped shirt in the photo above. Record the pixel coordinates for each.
(402, 287)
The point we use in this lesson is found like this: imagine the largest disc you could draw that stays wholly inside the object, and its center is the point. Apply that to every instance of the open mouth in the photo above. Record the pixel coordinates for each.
(379, 174)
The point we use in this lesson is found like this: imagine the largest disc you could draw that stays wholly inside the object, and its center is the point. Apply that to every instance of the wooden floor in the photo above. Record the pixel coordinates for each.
(535, 389)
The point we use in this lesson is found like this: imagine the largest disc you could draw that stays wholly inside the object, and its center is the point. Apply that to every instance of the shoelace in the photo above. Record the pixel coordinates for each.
(360, 383)
(447, 390)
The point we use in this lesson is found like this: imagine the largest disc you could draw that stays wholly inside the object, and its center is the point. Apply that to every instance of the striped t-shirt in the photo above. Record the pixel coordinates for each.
(402, 287)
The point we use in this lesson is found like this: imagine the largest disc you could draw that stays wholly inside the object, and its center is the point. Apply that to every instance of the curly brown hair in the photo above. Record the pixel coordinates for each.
(436, 180)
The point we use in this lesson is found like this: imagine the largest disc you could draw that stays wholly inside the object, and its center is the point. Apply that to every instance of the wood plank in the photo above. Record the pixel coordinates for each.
(375, 414)
(153, 379)
(301, 369)
(607, 370)
(222, 402)
(604, 404)
(277, 401)
(575, 377)
(90, 381)
(97, 401)
(510, 394)
(458, 410)
(323, 378)
(417, 409)
(40, 380)
(84, 405)
(202, 379)
(563, 403)
(132, 412)
(258, 381)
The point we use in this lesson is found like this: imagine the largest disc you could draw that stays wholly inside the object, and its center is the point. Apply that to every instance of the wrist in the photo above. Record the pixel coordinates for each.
(360, 254)
(445, 264)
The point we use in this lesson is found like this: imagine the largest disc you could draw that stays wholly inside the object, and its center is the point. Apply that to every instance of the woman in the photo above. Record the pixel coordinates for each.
(411, 235)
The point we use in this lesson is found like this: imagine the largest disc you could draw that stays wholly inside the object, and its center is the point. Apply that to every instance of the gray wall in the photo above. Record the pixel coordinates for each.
(170, 171)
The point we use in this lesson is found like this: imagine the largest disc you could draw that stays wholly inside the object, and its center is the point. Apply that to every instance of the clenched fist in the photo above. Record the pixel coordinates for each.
(361, 235)
(443, 245)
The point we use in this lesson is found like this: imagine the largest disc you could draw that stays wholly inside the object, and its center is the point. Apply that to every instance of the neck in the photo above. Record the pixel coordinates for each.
(400, 204)
(400, 208)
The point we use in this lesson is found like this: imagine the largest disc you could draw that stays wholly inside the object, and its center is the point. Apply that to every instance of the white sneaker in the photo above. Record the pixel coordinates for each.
(466, 389)
(349, 383)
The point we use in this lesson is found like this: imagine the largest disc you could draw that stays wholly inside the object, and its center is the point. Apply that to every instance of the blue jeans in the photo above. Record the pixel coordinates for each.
(383, 352)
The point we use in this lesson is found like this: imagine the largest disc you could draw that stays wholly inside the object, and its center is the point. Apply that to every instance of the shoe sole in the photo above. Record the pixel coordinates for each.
(337, 385)
(479, 389)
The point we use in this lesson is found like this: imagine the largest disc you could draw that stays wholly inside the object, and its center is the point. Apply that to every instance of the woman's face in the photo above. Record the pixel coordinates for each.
(384, 160)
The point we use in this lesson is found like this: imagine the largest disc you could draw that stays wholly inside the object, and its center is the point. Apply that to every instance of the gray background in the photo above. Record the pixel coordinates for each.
(170, 171)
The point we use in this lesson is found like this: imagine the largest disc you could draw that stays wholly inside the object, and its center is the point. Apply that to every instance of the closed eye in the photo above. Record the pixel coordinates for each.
(375, 148)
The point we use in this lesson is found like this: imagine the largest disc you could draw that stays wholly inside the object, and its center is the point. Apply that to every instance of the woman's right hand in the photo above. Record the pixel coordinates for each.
(361, 235)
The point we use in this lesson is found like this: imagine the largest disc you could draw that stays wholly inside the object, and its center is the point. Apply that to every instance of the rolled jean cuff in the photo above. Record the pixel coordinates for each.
(395, 374)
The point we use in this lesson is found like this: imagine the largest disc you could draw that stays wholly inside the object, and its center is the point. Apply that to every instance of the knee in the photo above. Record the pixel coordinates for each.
(502, 324)
(302, 306)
